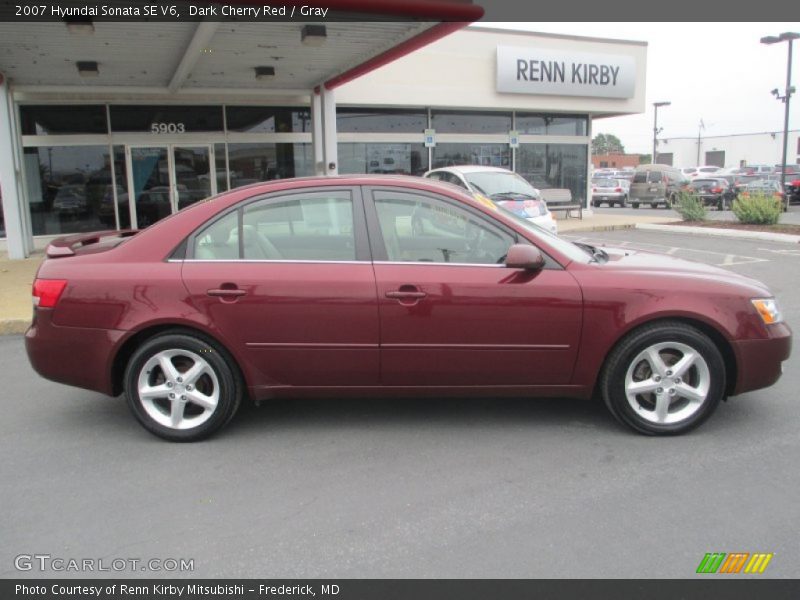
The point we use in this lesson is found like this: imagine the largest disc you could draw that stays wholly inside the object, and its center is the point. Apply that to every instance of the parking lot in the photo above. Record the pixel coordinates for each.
(420, 488)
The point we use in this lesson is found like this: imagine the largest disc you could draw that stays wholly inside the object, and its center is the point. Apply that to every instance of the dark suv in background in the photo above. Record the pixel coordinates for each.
(657, 184)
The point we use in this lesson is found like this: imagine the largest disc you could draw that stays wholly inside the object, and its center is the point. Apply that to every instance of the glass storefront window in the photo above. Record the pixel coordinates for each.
(222, 168)
(62, 120)
(121, 185)
(251, 163)
(166, 120)
(381, 120)
(538, 124)
(555, 166)
(66, 186)
(268, 119)
(463, 121)
(403, 159)
(490, 155)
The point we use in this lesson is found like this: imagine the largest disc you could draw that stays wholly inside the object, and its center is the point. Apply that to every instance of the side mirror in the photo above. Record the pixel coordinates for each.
(524, 256)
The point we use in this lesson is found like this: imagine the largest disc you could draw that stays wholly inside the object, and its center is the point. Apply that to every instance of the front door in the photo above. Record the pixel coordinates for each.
(164, 179)
(451, 313)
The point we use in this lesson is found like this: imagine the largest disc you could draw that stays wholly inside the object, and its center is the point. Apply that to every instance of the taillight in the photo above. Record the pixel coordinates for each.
(618, 190)
(664, 179)
(716, 191)
(46, 292)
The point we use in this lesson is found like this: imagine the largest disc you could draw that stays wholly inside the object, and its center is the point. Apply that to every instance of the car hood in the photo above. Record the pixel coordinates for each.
(652, 263)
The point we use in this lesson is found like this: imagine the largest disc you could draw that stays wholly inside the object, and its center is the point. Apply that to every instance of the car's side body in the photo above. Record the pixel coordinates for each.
(332, 328)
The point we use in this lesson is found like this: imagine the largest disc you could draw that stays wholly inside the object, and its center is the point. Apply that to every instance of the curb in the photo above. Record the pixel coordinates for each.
(783, 238)
(14, 326)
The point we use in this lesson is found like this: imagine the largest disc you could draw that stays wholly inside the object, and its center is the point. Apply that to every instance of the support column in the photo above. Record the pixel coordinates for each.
(17, 239)
(330, 151)
(317, 141)
(588, 207)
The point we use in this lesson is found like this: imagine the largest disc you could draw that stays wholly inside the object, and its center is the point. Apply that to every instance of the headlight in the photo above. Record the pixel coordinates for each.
(768, 309)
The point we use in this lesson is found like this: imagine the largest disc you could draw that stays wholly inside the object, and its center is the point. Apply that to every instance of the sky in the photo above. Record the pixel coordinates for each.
(717, 72)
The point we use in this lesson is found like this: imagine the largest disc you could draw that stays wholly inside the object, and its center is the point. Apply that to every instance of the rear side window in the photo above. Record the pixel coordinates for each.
(315, 226)
(218, 241)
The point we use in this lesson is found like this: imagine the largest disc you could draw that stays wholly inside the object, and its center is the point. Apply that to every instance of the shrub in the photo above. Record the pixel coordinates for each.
(690, 207)
(758, 209)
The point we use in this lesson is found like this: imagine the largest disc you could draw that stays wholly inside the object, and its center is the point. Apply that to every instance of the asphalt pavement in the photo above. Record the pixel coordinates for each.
(421, 488)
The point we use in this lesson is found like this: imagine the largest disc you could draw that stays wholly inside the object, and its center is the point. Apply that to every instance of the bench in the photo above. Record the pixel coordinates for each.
(561, 199)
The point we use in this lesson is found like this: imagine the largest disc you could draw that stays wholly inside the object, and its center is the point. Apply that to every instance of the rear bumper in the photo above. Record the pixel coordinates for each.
(759, 362)
(76, 356)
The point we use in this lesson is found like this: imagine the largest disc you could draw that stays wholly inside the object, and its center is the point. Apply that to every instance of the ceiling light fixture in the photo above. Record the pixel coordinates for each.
(80, 25)
(87, 68)
(313, 35)
(265, 73)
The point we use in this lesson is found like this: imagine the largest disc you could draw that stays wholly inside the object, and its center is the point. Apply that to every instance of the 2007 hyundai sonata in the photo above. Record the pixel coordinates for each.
(379, 286)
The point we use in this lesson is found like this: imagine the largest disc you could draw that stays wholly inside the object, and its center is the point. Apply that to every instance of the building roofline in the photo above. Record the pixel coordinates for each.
(713, 137)
(560, 36)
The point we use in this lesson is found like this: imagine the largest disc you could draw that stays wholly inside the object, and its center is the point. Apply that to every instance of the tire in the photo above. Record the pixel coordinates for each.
(217, 387)
(631, 362)
(635, 204)
(596, 204)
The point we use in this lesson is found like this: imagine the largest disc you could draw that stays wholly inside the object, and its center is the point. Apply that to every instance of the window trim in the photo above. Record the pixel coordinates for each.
(362, 248)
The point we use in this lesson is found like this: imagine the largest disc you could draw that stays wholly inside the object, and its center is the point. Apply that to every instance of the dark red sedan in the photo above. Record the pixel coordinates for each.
(390, 286)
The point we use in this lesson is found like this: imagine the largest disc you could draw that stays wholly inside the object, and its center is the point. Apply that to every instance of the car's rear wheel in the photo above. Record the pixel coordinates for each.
(664, 379)
(182, 387)
(635, 204)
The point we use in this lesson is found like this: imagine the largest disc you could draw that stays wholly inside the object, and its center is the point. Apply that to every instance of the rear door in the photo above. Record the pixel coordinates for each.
(451, 313)
(288, 279)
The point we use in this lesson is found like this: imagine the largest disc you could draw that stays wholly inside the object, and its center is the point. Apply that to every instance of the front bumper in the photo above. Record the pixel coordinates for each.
(759, 362)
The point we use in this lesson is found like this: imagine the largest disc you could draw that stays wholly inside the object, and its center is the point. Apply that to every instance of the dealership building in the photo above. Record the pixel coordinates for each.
(116, 125)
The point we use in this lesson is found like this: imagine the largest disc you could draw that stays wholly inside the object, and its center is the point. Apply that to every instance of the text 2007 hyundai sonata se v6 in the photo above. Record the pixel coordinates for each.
(381, 286)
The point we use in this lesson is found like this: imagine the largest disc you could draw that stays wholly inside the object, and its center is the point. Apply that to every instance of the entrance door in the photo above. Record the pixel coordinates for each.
(164, 179)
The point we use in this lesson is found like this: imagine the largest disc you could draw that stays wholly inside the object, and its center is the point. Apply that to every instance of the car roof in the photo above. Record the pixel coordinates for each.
(462, 169)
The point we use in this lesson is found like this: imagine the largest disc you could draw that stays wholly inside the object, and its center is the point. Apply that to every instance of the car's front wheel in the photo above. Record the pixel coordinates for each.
(182, 387)
(664, 379)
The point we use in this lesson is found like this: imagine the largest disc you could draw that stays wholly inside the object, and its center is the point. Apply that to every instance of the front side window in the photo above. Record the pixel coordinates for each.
(418, 228)
(315, 226)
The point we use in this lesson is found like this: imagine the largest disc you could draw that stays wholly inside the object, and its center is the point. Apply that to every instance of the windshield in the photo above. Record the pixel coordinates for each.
(491, 183)
(568, 249)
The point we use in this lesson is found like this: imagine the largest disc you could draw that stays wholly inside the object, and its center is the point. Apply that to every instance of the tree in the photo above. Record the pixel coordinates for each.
(607, 143)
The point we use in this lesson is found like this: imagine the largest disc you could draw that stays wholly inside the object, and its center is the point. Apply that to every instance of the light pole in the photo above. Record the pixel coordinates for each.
(655, 128)
(787, 95)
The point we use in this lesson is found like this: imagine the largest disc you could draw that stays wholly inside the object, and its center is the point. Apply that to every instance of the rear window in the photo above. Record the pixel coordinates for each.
(648, 177)
(703, 183)
(605, 182)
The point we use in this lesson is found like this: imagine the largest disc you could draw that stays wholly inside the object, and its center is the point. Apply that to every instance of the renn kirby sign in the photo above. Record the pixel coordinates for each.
(544, 71)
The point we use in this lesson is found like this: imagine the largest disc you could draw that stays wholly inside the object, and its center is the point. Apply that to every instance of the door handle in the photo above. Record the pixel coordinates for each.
(406, 293)
(226, 292)
(398, 295)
